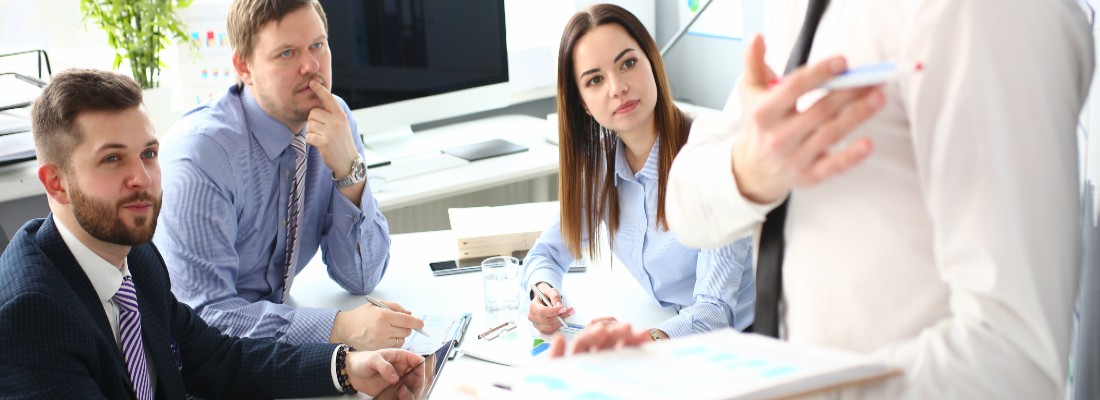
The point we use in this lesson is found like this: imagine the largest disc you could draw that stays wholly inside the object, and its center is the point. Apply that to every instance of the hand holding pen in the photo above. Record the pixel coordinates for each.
(546, 312)
(381, 305)
(370, 327)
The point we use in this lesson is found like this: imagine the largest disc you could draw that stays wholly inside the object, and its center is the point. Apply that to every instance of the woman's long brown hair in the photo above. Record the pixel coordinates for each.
(587, 185)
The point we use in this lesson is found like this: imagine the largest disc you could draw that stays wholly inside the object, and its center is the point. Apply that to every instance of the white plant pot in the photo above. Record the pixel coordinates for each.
(158, 102)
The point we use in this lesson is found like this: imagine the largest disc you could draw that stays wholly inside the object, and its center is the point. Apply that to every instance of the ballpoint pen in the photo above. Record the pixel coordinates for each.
(868, 75)
(546, 301)
(387, 308)
(871, 74)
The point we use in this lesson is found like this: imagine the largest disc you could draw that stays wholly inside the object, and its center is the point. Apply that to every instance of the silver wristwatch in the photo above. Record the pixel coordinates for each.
(358, 174)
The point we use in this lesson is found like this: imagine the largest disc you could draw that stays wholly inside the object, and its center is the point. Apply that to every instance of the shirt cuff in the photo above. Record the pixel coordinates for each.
(704, 199)
(335, 379)
(721, 179)
(346, 217)
(675, 327)
(311, 325)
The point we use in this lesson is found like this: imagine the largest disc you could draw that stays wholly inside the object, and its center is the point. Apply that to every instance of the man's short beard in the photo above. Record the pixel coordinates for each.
(102, 220)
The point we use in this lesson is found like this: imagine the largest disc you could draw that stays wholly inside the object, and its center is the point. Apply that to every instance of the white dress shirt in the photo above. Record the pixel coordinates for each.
(106, 279)
(952, 251)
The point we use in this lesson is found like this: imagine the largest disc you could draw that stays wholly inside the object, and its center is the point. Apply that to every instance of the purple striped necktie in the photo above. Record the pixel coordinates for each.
(295, 209)
(129, 328)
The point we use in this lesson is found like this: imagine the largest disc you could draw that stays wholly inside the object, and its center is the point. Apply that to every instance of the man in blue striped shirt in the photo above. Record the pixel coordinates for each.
(231, 205)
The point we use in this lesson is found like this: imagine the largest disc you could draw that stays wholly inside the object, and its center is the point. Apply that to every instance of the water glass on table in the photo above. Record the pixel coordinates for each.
(500, 282)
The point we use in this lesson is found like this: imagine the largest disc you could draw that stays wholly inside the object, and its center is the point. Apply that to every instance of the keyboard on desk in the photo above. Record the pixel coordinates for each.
(419, 165)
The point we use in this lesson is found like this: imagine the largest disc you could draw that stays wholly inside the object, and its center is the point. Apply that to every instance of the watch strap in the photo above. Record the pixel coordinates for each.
(358, 174)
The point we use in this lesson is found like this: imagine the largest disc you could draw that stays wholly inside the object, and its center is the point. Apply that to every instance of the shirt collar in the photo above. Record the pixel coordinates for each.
(622, 166)
(273, 136)
(105, 278)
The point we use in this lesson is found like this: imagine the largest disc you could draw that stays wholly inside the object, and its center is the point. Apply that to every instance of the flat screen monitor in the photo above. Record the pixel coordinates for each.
(404, 62)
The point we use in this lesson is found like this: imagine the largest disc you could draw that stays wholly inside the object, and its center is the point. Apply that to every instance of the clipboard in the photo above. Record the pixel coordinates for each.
(441, 328)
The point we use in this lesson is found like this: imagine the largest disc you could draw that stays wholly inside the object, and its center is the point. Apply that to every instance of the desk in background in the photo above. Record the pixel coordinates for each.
(605, 289)
(20, 180)
(539, 162)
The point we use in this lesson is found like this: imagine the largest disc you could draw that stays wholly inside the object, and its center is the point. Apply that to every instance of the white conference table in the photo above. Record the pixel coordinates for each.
(606, 289)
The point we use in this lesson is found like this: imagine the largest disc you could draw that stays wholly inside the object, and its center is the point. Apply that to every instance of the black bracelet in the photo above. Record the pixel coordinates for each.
(342, 370)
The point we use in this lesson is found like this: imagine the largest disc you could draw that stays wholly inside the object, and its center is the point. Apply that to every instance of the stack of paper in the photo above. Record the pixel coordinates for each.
(724, 364)
(502, 230)
(16, 147)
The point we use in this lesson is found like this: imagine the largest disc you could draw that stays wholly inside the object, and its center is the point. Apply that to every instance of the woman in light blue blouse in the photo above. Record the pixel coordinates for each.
(619, 132)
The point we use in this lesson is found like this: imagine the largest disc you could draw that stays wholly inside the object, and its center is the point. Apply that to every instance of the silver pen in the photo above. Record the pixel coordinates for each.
(545, 300)
(387, 308)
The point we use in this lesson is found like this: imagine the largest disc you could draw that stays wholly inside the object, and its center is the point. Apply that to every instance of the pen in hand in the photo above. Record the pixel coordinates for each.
(546, 301)
(379, 304)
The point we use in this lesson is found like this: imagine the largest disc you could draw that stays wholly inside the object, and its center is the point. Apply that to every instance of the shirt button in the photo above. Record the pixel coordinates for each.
(284, 222)
(286, 173)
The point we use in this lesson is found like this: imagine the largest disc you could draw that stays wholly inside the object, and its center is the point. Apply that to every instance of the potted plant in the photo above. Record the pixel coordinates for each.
(138, 30)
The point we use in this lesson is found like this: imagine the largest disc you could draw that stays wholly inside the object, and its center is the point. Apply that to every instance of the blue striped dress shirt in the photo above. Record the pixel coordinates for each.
(709, 289)
(228, 168)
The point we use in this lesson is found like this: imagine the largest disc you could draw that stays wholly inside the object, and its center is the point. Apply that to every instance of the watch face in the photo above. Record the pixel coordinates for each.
(360, 169)
(358, 174)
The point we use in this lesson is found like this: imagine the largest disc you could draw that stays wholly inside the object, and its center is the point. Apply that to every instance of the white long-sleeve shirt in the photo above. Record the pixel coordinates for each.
(952, 251)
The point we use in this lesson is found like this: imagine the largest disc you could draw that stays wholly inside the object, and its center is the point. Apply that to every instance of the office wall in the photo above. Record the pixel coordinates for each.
(702, 70)
(56, 26)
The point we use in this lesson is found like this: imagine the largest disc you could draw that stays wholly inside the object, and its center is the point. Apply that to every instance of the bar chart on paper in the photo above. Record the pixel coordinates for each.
(518, 346)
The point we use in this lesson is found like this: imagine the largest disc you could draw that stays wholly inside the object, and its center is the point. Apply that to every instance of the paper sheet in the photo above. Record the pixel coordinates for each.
(719, 365)
(519, 347)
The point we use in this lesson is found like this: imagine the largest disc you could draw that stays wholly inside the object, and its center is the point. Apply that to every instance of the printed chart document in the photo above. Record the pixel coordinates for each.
(440, 328)
(724, 364)
(521, 346)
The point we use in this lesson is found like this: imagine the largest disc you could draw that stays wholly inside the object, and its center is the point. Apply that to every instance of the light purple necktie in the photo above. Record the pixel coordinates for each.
(129, 328)
(292, 228)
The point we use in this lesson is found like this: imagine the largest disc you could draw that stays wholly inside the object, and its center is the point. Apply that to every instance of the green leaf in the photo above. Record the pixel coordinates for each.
(139, 30)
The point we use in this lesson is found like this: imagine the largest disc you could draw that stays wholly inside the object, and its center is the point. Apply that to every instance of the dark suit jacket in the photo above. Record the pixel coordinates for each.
(56, 342)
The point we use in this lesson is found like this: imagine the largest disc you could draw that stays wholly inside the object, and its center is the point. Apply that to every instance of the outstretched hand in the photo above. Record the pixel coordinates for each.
(781, 147)
(598, 337)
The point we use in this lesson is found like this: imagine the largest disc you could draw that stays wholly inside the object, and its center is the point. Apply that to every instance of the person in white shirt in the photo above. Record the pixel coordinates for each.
(931, 223)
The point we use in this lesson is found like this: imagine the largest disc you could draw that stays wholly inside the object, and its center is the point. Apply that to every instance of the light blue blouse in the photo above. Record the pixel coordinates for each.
(709, 289)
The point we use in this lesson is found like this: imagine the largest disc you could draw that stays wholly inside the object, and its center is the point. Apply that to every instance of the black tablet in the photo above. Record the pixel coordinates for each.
(420, 379)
